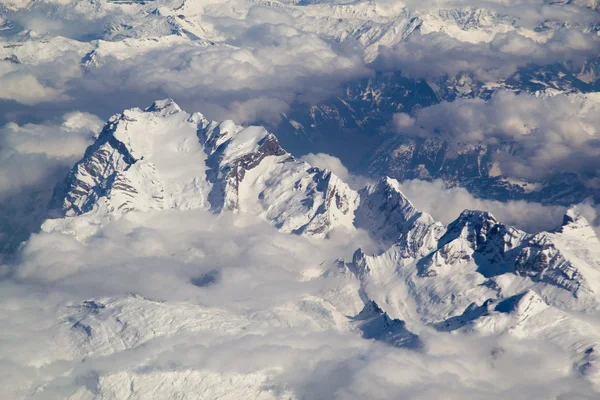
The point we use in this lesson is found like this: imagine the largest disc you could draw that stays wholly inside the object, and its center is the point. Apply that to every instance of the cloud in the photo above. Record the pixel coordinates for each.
(402, 121)
(437, 54)
(194, 243)
(26, 89)
(261, 326)
(258, 79)
(329, 162)
(237, 68)
(194, 302)
(546, 134)
(33, 157)
(31, 154)
(38, 71)
(445, 204)
(334, 164)
(253, 61)
(64, 18)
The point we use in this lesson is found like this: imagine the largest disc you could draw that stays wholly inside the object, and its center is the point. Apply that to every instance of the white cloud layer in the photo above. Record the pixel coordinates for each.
(547, 134)
(249, 61)
(437, 55)
(444, 204)
(32, 154)
(33, 157)
(258, 325)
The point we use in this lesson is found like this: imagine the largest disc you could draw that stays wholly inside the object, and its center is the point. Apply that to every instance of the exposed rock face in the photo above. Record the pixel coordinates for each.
(388, 215)
(355, 126)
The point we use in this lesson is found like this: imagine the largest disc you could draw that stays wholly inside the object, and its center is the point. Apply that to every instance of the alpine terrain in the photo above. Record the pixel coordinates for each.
(299, 199)
(155, 178)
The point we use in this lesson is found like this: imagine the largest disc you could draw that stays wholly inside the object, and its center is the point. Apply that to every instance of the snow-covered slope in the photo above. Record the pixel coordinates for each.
(475, 277)
(376, 324)
(182, 47)
(476, 259)
(163, 158)
(388, 215)
(527, 316)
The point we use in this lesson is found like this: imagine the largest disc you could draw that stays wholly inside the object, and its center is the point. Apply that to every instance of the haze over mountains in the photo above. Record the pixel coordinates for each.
(299, 199)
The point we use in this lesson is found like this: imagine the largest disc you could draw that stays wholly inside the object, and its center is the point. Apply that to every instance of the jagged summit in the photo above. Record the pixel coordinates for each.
(229, 309)
(431, 271)
(574, 222)
(522, 304)
(571, 217)
(385, 199)
(496, 315)
(143, 160)
(165, 107)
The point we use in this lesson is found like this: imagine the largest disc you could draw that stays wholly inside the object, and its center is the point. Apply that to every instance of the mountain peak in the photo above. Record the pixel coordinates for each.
(574, 220)
(522, 304)
(370, 310)
(477, 216)
(165, 107)
(472, 225)
(374, 323)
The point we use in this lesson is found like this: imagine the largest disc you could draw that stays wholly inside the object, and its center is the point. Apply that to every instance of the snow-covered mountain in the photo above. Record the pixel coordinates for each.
(366, 69)
(186, 258)
(161, 172)
(164, 158)
(361, 116)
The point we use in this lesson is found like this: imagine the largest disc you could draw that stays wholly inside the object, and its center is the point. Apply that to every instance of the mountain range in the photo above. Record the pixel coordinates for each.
(475, 275)
(184, 255)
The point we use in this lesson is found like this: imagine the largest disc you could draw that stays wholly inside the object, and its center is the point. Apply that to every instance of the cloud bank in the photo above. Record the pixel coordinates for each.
(444, 204)
(175, 334)
(171, 303)
(546, 134)
(33, 157)
(437, 55)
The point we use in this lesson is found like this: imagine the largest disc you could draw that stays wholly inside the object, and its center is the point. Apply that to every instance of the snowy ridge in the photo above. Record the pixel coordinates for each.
(526, 315)
(376, 324)
(142, 160)
(388, 215)
(133, 32)
(178, 260)
(478, 258)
